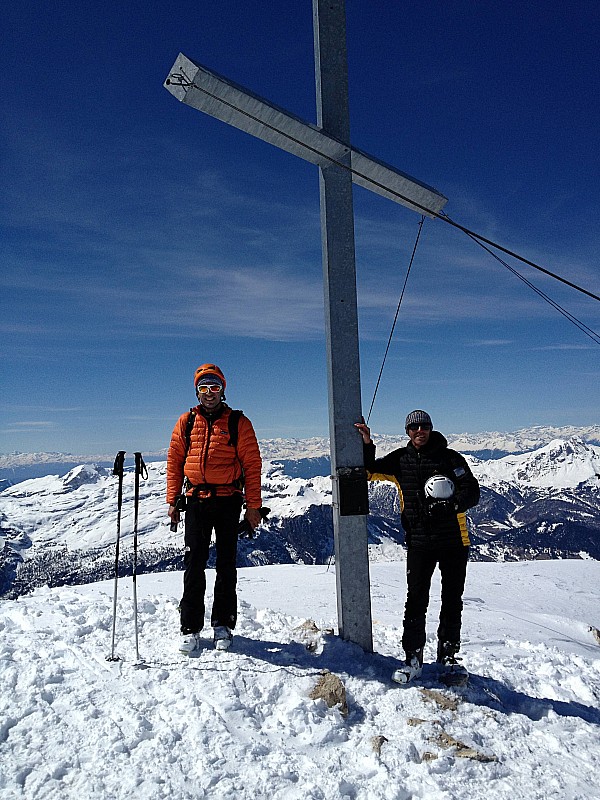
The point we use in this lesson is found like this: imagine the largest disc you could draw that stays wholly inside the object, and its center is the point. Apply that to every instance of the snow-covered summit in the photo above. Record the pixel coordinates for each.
(84, 473)
(244, 724)
(497, 444)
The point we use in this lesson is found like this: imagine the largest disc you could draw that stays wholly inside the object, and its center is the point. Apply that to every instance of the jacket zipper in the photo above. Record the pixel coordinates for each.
(424, 518)
(209, 423)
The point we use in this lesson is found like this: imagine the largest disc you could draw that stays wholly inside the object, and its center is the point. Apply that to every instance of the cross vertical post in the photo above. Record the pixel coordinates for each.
(341, 322)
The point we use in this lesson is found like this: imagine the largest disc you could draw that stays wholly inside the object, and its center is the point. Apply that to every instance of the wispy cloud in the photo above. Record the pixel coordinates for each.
(255, 303)
(195, 255)
(33, 423)
(22, 329)
(28, 426)
(490, 343)
(565, 346)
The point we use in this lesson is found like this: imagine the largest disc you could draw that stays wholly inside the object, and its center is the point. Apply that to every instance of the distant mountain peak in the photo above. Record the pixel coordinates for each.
(84, 473)
(560, 463)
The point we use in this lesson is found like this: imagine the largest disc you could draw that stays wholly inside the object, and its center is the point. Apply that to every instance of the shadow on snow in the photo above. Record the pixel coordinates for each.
(350, 661)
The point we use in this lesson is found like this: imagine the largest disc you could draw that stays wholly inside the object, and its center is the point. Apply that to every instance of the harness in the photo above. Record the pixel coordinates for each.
(211, 488)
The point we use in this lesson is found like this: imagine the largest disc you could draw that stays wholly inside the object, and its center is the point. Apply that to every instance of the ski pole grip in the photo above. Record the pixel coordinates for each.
(119, 462)
(140, 466)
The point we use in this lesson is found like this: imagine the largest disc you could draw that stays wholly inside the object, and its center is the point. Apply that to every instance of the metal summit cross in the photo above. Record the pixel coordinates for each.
(328, 146)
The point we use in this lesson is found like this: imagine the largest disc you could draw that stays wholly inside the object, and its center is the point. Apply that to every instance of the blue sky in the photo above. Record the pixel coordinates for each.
(141, 238)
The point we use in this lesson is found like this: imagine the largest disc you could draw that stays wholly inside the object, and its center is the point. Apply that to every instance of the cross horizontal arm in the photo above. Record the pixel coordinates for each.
(219, 97)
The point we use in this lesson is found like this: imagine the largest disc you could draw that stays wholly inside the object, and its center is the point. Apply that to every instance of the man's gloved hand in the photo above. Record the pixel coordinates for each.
(252, 519)
(175, 511)
(438, 509)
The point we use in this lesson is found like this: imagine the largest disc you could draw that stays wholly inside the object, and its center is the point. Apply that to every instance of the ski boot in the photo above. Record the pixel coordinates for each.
(411, 668)
(189, 643)
(453, 672)
(223, 637)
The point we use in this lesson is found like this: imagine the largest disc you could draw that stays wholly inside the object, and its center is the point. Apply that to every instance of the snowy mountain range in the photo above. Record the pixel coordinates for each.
(61, 529)
(16, 467)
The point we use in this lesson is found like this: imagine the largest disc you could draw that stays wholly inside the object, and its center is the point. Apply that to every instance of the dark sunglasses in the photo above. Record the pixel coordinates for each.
(423, 427)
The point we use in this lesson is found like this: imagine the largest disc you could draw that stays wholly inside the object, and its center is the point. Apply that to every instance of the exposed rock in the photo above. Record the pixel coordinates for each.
(377, 743)
(331, 689)
(448, 703)
(462, 750)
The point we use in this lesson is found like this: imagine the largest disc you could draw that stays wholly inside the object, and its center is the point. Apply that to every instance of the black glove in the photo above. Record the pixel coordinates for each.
(438, 509)
(180, 505)
(245, 530)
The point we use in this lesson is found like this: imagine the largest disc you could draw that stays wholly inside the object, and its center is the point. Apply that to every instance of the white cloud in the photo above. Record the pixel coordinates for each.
(490, 343)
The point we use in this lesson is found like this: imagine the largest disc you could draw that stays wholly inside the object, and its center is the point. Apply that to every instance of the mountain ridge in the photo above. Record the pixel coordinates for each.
(56, 530)
(500, 443)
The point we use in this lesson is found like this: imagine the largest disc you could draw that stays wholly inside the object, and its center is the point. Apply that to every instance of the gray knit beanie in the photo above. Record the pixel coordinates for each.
(418, 417)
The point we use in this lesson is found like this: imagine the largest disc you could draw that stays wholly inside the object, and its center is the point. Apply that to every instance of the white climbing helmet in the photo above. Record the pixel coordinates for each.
(439, 487)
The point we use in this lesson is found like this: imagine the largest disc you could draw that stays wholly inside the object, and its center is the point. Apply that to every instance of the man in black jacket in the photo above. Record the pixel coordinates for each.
(436, 487)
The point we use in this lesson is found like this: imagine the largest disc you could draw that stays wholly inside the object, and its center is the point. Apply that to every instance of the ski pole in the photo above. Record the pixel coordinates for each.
(140, 469)
(117, 470)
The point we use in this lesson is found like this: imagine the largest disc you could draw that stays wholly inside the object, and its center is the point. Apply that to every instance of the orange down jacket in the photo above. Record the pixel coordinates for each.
(211, 459)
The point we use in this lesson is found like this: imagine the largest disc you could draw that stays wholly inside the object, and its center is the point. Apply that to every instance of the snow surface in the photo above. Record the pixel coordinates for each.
(242, 724)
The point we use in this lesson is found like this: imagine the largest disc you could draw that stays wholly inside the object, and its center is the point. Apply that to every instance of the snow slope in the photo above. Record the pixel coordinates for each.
(242, 725)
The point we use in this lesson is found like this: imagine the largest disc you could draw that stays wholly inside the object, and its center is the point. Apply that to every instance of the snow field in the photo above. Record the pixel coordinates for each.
(241, 724)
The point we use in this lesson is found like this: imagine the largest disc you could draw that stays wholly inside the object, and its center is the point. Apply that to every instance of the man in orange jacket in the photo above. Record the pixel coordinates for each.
(216, 475)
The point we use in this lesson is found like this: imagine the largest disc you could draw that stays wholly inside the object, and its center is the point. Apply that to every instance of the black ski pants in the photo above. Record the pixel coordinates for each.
(420, 565)
(221, 514)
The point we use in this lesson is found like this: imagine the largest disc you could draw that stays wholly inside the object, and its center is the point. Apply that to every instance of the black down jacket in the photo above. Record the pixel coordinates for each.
(409, 468)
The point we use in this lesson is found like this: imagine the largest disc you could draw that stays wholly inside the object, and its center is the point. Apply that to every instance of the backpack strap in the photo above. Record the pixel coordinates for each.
(188, 430)
(233, 424)
(188, 439)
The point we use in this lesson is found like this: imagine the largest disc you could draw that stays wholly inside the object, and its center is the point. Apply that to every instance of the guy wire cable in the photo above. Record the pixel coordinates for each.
(595, 337)
(396, 317)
